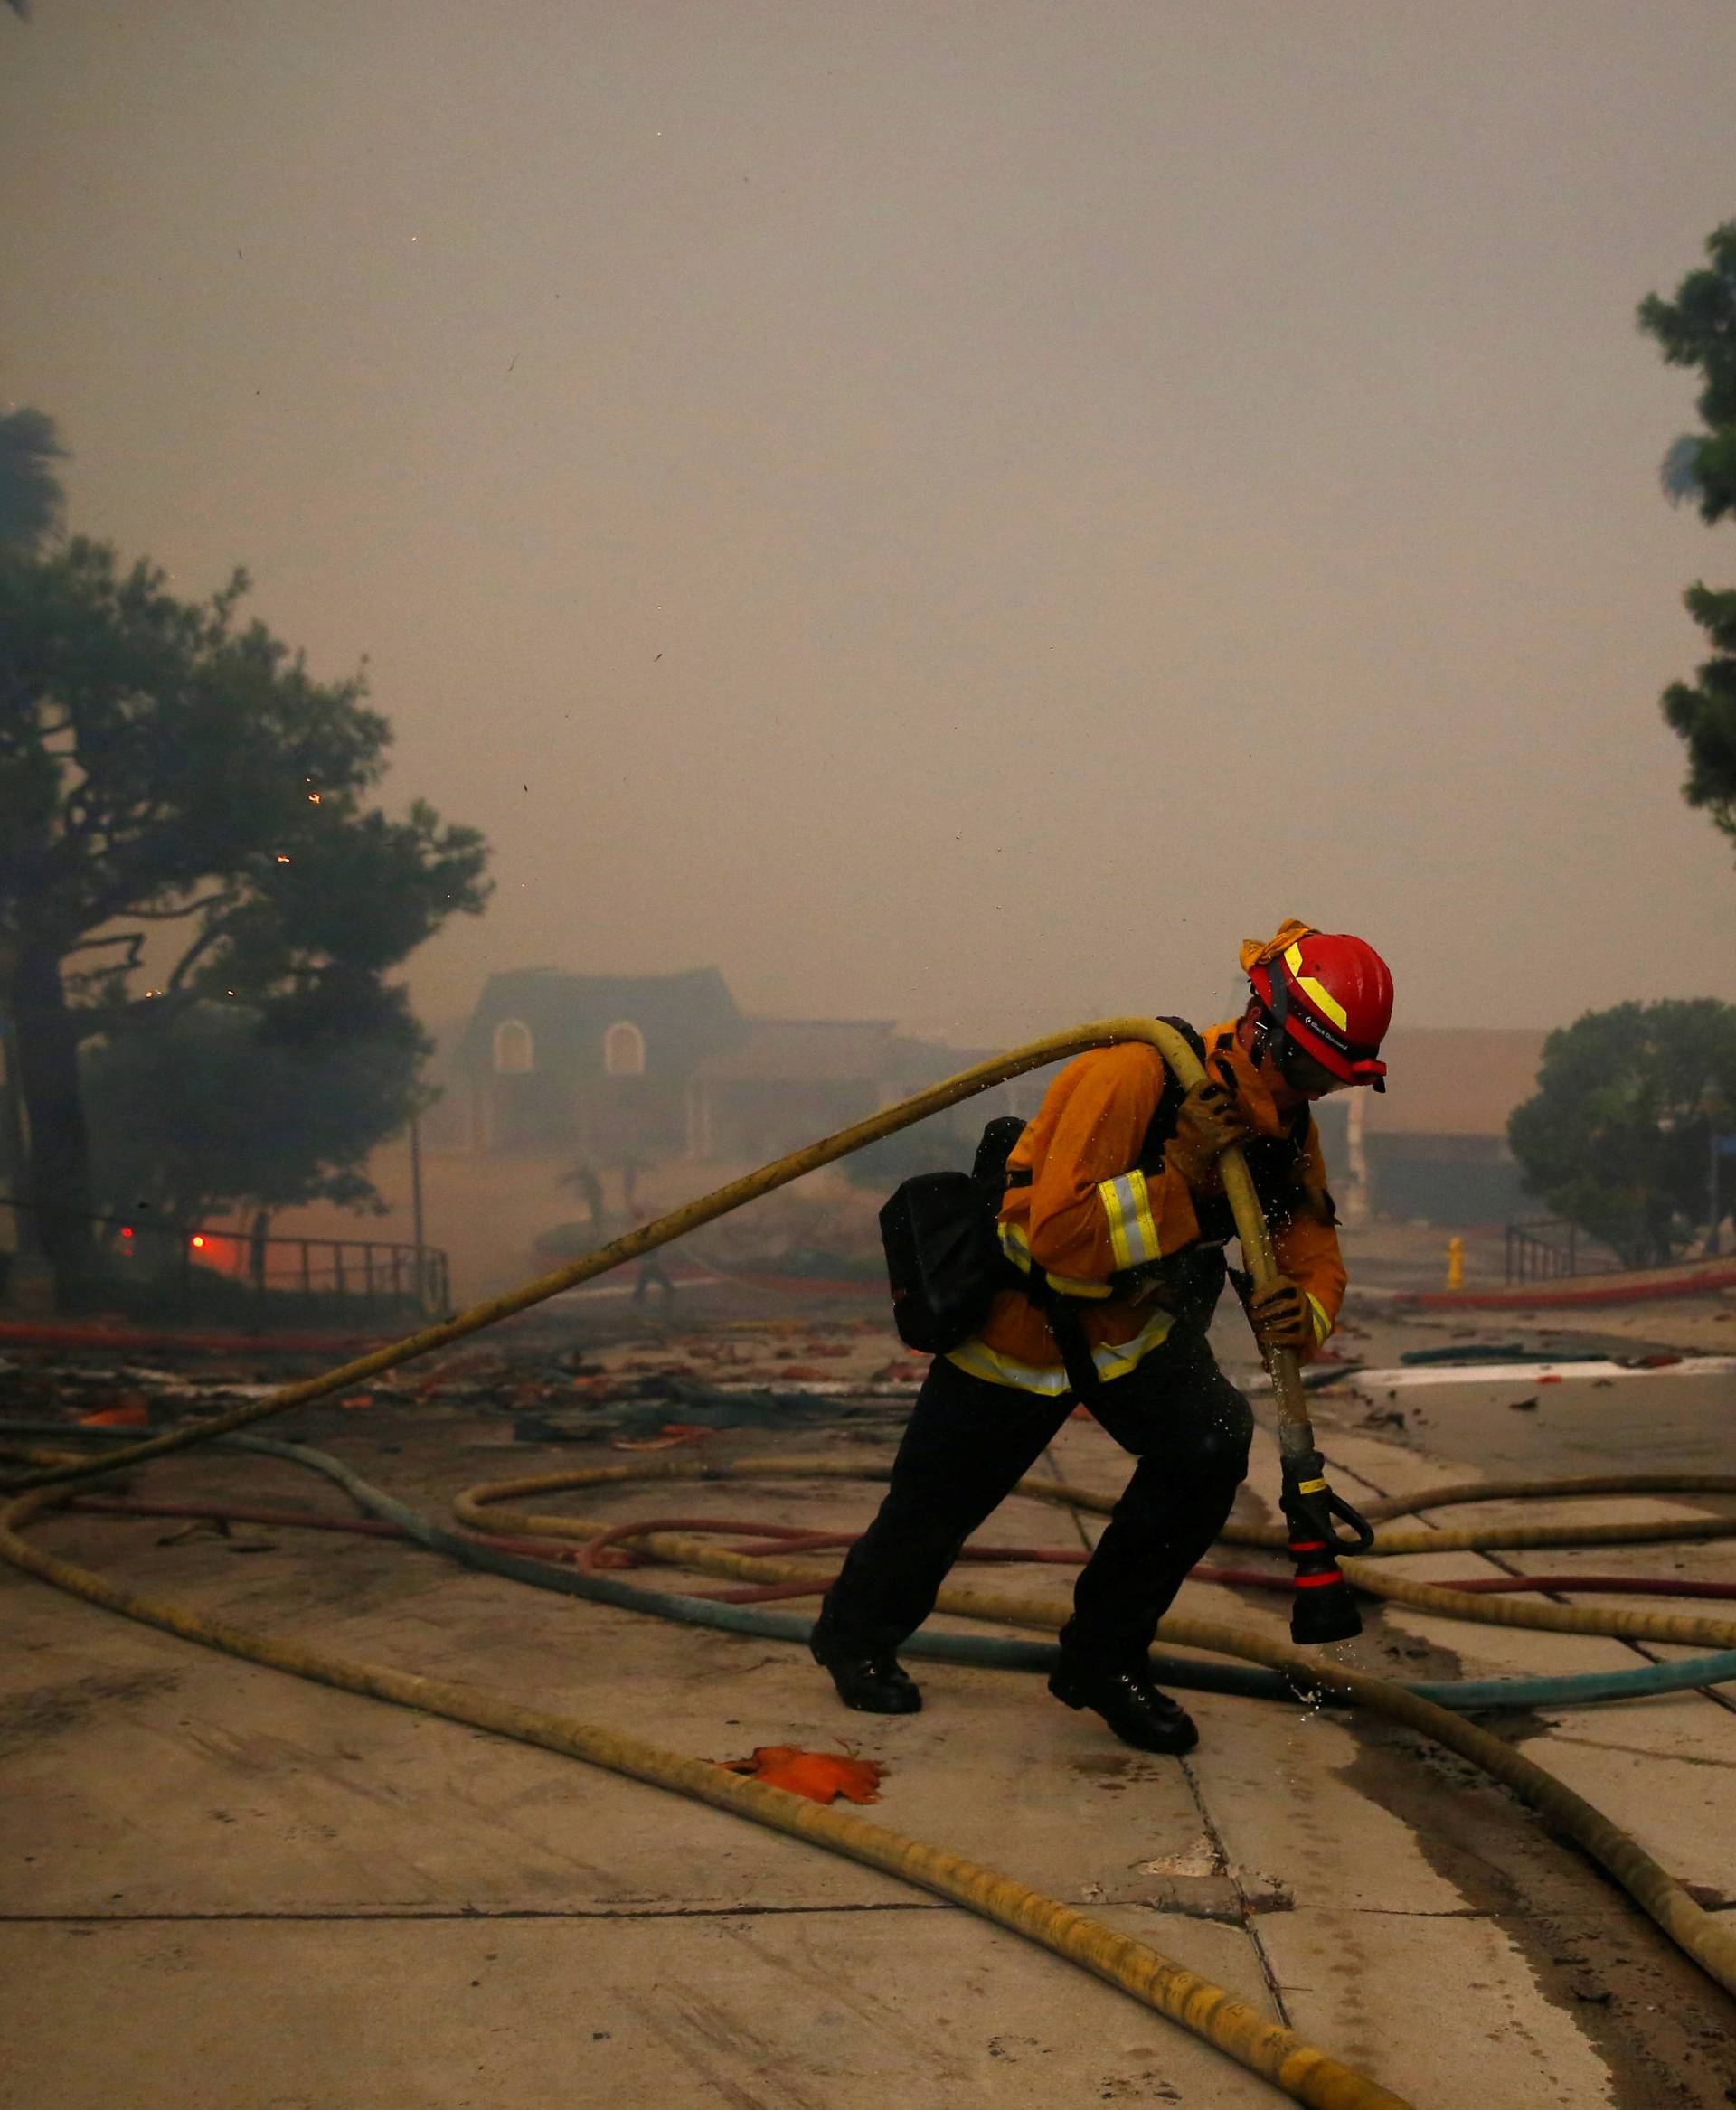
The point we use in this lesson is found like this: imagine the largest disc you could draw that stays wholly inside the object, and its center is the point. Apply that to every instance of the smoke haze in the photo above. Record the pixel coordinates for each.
(950, 513)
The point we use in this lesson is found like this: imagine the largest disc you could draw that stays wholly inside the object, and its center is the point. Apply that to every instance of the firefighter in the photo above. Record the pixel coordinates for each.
(1114, 1228)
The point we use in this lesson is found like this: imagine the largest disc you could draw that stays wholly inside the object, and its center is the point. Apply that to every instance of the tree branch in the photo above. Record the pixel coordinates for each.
(203, 943)
(133, 939)
(223, 899)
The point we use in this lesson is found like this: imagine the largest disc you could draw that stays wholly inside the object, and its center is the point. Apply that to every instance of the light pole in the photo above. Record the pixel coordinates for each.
(416, 1209)
(12, 1126)
(1722, 1146)
(29, 1281)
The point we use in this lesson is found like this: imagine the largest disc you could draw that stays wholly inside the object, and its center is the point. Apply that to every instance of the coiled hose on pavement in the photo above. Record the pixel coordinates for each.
(525, 1554)
(1276, 2053)
(1307, 2074)
(1712, 1946)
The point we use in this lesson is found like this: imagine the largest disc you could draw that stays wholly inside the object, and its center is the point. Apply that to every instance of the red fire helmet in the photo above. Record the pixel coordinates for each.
(1333, 994)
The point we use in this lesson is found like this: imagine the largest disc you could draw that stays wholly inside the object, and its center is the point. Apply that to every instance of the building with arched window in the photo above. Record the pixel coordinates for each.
(595, 1065)
(515, 1048)
(624, 1050)
(611, 1069)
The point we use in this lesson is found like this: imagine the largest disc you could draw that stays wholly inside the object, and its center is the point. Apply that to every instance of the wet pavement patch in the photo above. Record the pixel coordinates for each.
(49, 1710)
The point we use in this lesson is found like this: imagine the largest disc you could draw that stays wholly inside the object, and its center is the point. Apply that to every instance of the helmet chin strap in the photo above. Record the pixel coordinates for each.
(1265, 1039)
(1279, 1006)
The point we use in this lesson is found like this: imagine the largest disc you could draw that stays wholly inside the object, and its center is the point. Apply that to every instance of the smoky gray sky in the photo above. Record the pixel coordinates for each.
(957, 513)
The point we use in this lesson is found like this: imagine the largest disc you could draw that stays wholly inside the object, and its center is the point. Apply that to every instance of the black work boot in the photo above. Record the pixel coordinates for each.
(1134, 1707)
(870, 1680)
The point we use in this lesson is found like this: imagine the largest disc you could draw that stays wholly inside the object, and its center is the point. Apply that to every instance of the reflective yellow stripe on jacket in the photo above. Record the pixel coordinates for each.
(979, 1361)
(1133, 1231)
(1015, 1245)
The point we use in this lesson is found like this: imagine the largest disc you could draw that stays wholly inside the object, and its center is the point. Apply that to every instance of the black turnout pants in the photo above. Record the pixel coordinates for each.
(968, 1441)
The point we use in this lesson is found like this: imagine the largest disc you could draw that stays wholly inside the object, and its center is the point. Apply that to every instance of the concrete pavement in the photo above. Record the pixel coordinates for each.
(220, 1886)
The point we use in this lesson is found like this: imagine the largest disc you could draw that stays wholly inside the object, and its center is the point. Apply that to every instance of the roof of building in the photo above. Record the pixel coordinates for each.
(792, 1049)
(1447, 1081)
(685, 1017)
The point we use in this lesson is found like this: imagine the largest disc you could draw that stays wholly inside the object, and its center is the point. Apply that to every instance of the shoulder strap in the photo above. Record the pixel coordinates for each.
(1161, 1125)
(989, 1167)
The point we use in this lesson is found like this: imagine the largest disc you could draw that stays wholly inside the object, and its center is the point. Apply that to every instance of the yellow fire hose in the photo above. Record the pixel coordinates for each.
(1694, 1930)
(476, 1509)
(1304, 2072)
(1307, 2075)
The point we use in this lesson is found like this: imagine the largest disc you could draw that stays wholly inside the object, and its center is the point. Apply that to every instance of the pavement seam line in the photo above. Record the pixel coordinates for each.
(1245, 1909)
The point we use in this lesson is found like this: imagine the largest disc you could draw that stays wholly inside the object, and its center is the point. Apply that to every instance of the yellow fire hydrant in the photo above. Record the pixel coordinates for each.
(1455, 1263)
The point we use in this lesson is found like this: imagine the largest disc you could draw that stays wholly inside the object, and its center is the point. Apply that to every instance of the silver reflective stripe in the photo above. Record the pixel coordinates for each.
(1115, 1362)
(977, 1359)
(1017, 1246)
(1133, 1232)
(1068, 1286)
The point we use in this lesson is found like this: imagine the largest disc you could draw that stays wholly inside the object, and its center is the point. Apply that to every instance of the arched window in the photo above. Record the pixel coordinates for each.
(624, 1050)
(515, 1050)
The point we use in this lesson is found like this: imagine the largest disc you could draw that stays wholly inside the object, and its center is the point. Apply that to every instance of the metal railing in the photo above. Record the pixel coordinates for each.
(1550, 1250)
(203, 1270)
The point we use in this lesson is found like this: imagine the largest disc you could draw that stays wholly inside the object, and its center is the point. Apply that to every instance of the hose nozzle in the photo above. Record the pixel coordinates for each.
(1324, 1609)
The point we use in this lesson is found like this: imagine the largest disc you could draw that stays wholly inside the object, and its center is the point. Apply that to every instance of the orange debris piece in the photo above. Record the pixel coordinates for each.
(128, 1414)
(820, 1775)
(673, 1433)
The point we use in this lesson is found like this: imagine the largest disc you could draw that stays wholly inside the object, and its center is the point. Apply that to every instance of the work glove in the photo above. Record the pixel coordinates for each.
(1208, 1121)
(1281, 1315)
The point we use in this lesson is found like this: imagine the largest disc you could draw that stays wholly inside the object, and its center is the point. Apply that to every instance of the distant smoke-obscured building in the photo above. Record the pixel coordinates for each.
(595, 1063)
(1435, 1141)
(613, 1067)
(650, 1066)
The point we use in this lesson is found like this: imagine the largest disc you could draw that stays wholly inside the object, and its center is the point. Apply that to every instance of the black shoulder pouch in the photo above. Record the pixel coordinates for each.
(943, 1252)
